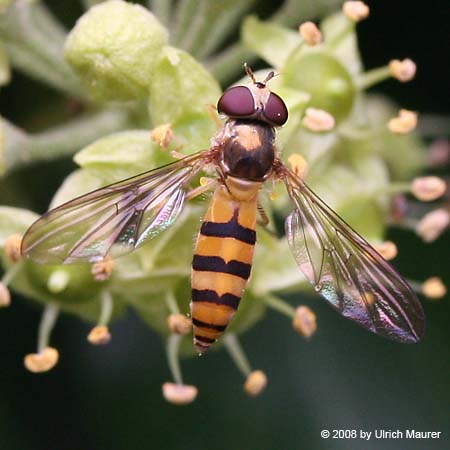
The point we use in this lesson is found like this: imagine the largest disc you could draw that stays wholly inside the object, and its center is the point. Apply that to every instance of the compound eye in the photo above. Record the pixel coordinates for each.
(275, 110)
(237, 102)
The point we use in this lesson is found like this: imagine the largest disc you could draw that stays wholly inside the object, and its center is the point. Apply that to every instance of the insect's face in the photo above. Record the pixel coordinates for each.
(255, 101)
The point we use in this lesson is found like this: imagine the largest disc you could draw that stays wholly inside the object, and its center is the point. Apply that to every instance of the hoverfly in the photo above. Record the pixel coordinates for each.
(340, 264)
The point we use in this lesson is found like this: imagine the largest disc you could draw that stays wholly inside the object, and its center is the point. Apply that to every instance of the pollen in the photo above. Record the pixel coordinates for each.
(5, 296)
(404, 123)
(310, 33)
(388, 250)
(42, 361)
(12, 247)
(255, 383)
(428, 188)
(356, 11)
(102, 270)
(298, 165)
(179, 324)
(179, 394)
(434, 288)
(318, 120)
(304, 321)
(433, 224)
(402, 70)
(99, 335)
(163, 135)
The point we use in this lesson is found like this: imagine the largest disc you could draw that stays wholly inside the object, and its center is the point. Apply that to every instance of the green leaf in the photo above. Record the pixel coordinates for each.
(270, 41)
(181, 90)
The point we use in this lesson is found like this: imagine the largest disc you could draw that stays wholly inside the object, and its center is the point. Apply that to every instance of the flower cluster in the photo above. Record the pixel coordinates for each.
(357, 151)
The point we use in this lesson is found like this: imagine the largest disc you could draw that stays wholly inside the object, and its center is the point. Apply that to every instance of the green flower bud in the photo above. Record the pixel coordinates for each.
(324, 78)
(114, 47)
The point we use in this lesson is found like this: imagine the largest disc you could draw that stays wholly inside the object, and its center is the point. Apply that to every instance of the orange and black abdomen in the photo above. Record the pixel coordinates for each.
(221, 266)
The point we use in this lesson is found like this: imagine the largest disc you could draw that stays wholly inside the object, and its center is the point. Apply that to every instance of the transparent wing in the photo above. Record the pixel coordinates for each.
(113, 220)
(347, 271)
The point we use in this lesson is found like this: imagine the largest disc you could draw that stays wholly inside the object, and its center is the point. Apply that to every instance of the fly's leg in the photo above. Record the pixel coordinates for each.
(206, 184)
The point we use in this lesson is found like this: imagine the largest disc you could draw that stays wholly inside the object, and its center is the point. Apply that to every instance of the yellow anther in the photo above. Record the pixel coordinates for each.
(298, 165)
(179, 324)
(204, 181)
(310, 33)
(318, 120)
(43, 361)
(179, 394)
(404, 123)
(428, 188)
(102, 270)
(356, 11)
(5, 296)
(388, 250)
(304, 321)
(163, 135)
(431, 226)
(12, 247)
(255, 383)
(402, 70)
(434, 288)
(99, 335)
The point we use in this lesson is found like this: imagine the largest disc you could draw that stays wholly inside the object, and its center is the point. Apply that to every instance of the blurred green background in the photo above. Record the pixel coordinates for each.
(344, 378)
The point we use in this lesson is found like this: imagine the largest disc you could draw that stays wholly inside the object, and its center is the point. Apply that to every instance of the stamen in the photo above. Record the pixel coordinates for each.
(179, 324)
(46, 357)
(388, 250)
(12, 247)
(439, 153)
(404, 123)
(433, 224)
(231, 342)
(355, 10)
(5, 296)
(100, 335)
(304, 321)
(402, 70)
(428, 188)
(318, 120)
(434, 288)
(298, 165)
(179, 394)
(163, 135)
(279, 305)
(255, 383)
(310, 33)
(172, 348)
(102, 270)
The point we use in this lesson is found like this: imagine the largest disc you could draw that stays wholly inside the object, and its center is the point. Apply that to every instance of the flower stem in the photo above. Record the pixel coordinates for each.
(48, 321)
(173, 345)
(106, 308)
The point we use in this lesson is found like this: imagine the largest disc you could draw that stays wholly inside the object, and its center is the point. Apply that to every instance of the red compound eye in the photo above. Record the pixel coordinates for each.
(237, 102)
(275, 110)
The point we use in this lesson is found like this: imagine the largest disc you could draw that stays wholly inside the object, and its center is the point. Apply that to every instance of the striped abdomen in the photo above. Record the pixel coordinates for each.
(222, 263)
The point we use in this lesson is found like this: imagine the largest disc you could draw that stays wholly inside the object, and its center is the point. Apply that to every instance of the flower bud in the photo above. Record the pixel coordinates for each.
(318, 120)
(428, 188)
(431, 226)
(12, 247)
(43, 361)
(114, 48)
(310, 33)
(179, 324)
(255, 383)
(388, 250)
(356, 11)
(99, 335)
(402, 70)
(434, 288)
(179, 394)
(102, 270)
(5, 296)
(298, 165)
(405, 122)
(304, 321)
